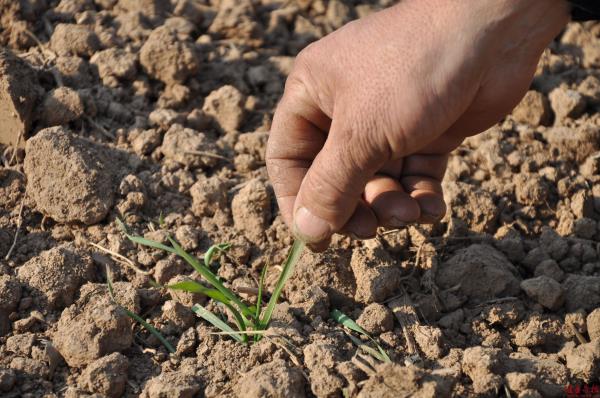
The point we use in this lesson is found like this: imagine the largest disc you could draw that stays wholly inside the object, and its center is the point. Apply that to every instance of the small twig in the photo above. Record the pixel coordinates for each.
(43, 223)
(99, 128)
(579, 336)
(252, 291)
(14, 152)
(207, 154)
(497, 301)
(365, 367)
(121, 259)
(19, 223)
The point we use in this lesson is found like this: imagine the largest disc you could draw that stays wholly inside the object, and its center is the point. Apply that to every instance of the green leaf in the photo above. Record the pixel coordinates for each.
(261, 285)
(195, 287)
(211, 278)
(143, 241)
(288, 270)
(258, 306)
(214, 249)
(346, 321)
(216, 322)
(136, 317)
(369, 350)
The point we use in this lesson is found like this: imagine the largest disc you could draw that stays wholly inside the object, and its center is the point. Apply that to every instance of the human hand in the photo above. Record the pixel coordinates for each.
(370, 112)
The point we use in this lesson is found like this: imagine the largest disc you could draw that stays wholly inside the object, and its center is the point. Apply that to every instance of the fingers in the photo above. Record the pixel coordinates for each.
(335, 181)
(297, 135)
(411, 190)
(393, 207)
(428, 193)
(362, 223)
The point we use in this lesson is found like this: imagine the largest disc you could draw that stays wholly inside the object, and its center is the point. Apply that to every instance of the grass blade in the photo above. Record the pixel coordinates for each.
(216, 322)
(136, 317)
(369, 350)
(214, 249)
(143, 241)
(288, 270)
(195, 287)
(211, 278)
(346, 321)
(261, 285)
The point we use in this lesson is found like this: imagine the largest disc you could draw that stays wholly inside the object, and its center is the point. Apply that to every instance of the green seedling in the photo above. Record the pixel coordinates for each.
(250, 319)
(378, 352)
(136, 317)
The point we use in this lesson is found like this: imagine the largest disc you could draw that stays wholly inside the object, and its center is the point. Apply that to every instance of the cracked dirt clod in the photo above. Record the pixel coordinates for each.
(69, 178)
(481, 271)
(226, 106)
(392, 380)
(188, 147)
(173, 384)
(95, 326)
(114, 62)
(274, 379)
(166, 58)
(545, 291)
(19, 93)
(106, 376)
(56, 275)
(61, 106)
(10, 294)
(251, 209)
(72, 39)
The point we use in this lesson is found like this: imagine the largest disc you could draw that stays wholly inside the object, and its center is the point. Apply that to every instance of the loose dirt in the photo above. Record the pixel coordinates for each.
(158, 112)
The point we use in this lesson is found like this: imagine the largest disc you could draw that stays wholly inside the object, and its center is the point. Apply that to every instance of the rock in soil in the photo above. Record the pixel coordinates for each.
(321, 358)
(69, 178)
(534, 109)
(95, 326)
(56, 275)
(583, 361)
(566, 103)
(582, 292)
(72, 39)
(482, 272)
(377, 275)
(189, 147)
(545, 291)
(19, 93)
(273, 379)
(10, 294)
(8, 378)
(166, 58)
(114, 62)
(61, 106)
(226, 106)
(172, 384)
(209, 195)
(376, 318)
(593, 324)
(251, 209)
(393, 380)
(106, 376)
(482, 365)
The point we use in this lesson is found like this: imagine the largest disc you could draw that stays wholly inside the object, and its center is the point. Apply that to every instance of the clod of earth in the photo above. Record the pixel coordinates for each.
(19, 93)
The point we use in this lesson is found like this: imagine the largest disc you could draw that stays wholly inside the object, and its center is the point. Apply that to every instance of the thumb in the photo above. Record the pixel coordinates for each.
(335, 181)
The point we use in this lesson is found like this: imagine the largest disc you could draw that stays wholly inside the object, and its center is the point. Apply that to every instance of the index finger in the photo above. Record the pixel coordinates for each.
(298, 133)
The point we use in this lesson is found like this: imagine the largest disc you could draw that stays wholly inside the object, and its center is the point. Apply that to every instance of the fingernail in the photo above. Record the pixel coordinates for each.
(396, 223)
(310, 228)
